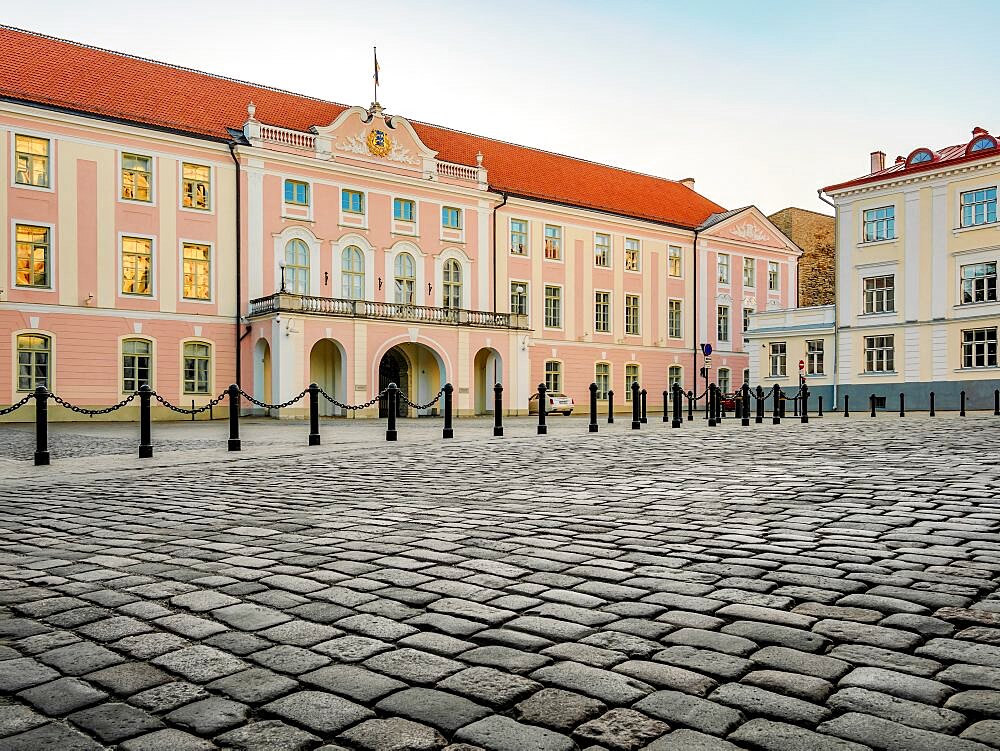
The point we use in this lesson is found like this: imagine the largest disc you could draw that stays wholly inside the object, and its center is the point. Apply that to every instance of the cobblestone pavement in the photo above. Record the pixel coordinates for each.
(830, 587)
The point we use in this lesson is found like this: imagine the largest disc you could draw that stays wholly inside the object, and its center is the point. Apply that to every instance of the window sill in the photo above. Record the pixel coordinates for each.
(37, 188)
(977, 369)
(880, 315)
(872, 243)
(879, 373)
(980, 304)
(987, 225)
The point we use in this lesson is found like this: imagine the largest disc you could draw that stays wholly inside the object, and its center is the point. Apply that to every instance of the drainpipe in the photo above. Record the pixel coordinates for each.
(694, 315)
(836, 295)
(239, 270)
(498, 206)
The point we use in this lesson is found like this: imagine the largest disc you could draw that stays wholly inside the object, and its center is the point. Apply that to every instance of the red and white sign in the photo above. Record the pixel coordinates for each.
(802, 364)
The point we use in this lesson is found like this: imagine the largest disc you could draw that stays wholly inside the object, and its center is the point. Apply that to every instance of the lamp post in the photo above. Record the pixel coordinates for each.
(281, 265)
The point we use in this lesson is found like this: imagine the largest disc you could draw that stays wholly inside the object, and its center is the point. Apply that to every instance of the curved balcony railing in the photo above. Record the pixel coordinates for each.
(385, 311)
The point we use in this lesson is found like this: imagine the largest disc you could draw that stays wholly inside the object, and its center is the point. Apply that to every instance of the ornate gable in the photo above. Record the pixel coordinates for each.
(373, 137)
(750, 226)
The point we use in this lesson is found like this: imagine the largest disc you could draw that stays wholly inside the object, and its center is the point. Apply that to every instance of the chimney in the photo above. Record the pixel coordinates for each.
(687, 182)
(878, 161)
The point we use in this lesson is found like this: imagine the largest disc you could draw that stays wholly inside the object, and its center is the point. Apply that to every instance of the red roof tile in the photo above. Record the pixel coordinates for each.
(40, 69)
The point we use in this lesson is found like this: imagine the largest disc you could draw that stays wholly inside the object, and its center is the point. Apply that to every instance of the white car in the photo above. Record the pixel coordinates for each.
(556, 402)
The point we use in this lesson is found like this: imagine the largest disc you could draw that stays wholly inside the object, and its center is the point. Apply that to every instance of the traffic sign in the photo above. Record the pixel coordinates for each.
(708, 359)
(802, 364)
(706, 349)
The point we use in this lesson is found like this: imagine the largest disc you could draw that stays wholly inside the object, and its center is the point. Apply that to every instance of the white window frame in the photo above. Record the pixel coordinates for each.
(609, 318)
(558, 371)
(815, 355)
(181, 242)
(986, 354)
(879, 295)
(750, 264)
(985, 278)
(723, 315)
(211, 187)
(876, 344)
(775, 267)
(13, 161)
(526, 295)
(527, 236)
(545, 311)
(629, 379)
(638, 255)
(724, 262)
(878, 224)
(680, 261)
(51, 261)
(680, 317)
(153, 193)
(609, 250)
(636, 309)
(985, 202)
(154, 260)
(778, 359)
(562, 243)
(602, 393)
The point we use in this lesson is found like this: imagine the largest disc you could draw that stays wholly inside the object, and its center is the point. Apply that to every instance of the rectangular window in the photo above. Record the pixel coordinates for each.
(519, 298)
(297, 192)
(979, 282)
(196, 183)
(880, 224)
(674, 261)
(632, 315)
(814, 356)
(403, 209)
(137, 265)
(553, 377)
(746, 318)
(724, 380)
(553, 307)
(137, 177)
(979, 348)
(31, 161)
(602, 377)
(197, 272)
(32, 256)
(602, 249)
(519, 237)
(553, 242)
(722, 316)
(749, 272)
(723, 268)
(197, 367)
(633, 254)
(451, 218)
(880, 294)
(352, 201)
(675, 374)
(779, 360)
(631, 376)
(979, 207)
(773, 278)
(602, 312)
(879, 354)
(674, 324)
(34, 354)
(137, 356)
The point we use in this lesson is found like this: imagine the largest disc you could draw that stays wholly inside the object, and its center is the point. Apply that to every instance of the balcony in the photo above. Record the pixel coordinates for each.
(281, 302)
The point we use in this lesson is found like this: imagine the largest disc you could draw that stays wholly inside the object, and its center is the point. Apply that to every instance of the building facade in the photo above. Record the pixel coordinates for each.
(815, 234)
(917, 310)
(274, 240)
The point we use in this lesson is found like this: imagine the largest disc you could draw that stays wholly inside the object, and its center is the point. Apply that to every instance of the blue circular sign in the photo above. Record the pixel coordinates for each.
(706, 349)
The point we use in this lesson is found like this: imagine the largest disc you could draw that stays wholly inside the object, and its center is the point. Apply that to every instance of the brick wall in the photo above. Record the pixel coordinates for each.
(814, 233)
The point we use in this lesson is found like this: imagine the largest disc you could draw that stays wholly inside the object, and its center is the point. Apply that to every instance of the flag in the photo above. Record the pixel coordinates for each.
(375, 50)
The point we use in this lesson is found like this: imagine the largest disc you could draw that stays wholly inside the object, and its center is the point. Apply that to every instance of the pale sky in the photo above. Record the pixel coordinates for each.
(761, 102)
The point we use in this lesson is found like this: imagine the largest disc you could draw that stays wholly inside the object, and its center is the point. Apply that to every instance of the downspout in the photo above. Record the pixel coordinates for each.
(239, 269)
(495, 280)
(836, 294)
(694, 315)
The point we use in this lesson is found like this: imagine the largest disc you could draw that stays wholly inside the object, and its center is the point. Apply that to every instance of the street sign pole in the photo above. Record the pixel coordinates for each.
(706, 350)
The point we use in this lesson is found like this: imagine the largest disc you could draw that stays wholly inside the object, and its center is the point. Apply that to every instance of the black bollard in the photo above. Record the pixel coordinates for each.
(313, 414)
(819, 399)
(902, 405)
(677, 421)
(690, 406)
(145, 439)
(710, 405)
(449, 431)
(592, 428)
(667, 402)
(744, 404)
(611, 406)
(847, 405)
(234, 418)
(390, 428)
(804, 397)
(498, 410)
(996, 402)
(636, 424)
(759, 417)
(932, 404)
(642, 416)
(871, 401)
(795, 403)
(961, 412)
(41, 426)
(776, 406)
(542, 427)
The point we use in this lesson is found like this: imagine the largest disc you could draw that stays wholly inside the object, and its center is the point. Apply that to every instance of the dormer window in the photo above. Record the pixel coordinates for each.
(919, 157)
(982, 143)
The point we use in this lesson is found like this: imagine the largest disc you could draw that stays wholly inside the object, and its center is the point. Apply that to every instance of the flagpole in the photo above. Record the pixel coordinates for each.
(375, 53)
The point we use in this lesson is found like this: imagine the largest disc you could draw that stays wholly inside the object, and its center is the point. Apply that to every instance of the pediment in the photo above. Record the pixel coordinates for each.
(752, 227)
(372, 136)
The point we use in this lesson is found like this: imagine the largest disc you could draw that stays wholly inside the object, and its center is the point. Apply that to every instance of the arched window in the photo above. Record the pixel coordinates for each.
(724, 380)
(137, 358)
(34, 355)
(920, 156)
(675, 375)
(197, 367)
(352, 273)
(982, 144)
(452, 284)
(406, 278)
(296, 269)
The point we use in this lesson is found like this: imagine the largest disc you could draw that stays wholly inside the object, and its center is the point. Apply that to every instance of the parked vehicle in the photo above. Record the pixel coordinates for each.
(555, 402)
(729, 401)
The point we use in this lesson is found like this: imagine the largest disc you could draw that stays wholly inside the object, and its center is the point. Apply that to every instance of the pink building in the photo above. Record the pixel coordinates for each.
(174, 228)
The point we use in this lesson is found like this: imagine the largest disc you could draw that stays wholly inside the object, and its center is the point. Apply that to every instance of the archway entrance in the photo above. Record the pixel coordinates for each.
(419, 373)
(262, 374)
(488, 369)
(326, 370)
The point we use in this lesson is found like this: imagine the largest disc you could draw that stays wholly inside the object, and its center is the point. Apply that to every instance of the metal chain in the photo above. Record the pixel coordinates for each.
(429, 404)
(195, 411)
(20, 404)
(367, 404)
(84, 411)
(264, 405)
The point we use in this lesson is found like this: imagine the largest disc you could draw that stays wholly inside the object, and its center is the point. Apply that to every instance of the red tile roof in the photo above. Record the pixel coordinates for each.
(901, 168)
(58, 73)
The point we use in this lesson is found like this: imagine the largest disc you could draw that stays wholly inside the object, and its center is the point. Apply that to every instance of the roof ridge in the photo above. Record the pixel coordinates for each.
(174, 66)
